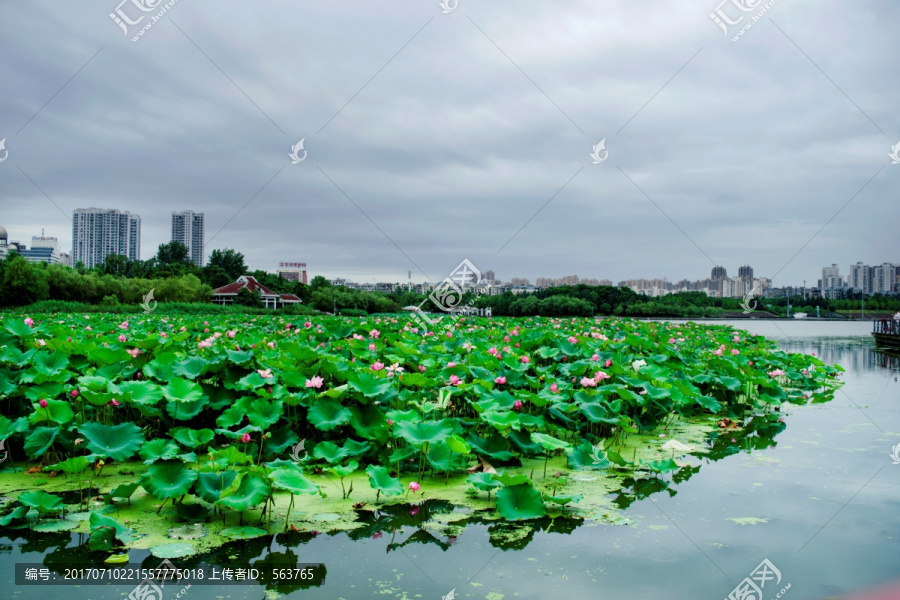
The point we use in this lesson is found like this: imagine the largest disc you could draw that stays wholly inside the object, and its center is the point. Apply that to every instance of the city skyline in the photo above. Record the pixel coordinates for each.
(429, 137)
(877, 279)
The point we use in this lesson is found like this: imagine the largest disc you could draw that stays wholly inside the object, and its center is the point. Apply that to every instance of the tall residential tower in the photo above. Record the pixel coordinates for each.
(99, 232)
(187, 228)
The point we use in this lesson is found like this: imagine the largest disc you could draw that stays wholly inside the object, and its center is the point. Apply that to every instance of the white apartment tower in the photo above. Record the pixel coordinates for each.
(99, 232)
(187, 228)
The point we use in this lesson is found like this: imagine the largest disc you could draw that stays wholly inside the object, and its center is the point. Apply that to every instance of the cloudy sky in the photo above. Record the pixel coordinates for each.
(434, 137)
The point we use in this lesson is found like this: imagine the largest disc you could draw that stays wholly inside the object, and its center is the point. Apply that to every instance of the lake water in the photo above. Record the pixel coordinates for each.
(820, 501)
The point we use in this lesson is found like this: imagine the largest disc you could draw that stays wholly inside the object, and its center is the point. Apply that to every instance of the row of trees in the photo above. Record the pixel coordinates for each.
(174, 278)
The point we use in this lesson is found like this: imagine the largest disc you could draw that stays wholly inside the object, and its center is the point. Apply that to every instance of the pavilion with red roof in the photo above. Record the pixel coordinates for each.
(227, 293)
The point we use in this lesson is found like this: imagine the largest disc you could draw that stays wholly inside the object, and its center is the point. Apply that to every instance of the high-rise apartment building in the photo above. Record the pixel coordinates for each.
(188, 228)
(860, 278)
(746, 273)
(99, 232)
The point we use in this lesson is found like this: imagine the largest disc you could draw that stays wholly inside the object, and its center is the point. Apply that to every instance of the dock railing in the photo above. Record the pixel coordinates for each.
(886, 326)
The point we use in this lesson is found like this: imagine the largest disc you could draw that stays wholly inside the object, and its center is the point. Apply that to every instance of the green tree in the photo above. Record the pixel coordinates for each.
(173, 254)
(23, 283)
(318, 282)
(230, 261)
(247, 298)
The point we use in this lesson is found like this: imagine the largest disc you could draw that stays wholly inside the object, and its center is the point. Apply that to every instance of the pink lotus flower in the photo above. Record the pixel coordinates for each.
(271, 344)
(500, 380)
(451, 364)
(43, 403)
(735, 351)
(288, 326)
(573, 339)
(183, 328)
(264, 373)
(134, 352)
(414, 486)
(600, 376)
(776, 373)
(449, 334)
(163, 334)
(73, 393)
(314, 382)
(454, 380)
(307, 324)
(114, 402)
(608, 363)
(421, 368)
(30, 322)
(206, 330)
(662, 435)
(374, 333)
(506, 338)
(554, 388)
(671, 340)
(245, 438)
(492, 351)
(526, 360)
(377, 366)
(69, 339)
(588, 382)
(41, 342)
(390, 422)
(718, 352)
(595, 357)
(518, 405)
(230, 334)
(122, 338)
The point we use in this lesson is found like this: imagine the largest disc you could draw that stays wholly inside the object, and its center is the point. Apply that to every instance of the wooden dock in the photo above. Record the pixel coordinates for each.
(887, 335)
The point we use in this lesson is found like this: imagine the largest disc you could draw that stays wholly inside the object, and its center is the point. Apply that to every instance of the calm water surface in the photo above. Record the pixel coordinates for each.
(821, 501)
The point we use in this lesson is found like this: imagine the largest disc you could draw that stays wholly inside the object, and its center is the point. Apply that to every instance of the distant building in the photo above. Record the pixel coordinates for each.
(746, 273)
(718, 273)
(65, 259)
(99, 232)
(292, 271)
(519, 281)
(43, 249)
(883, 278)
(489, 276)
(227, 293)
(188, 228)
(860, 278)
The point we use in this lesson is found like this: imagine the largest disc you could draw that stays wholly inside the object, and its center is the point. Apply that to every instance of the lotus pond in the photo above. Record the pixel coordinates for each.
(229, 441)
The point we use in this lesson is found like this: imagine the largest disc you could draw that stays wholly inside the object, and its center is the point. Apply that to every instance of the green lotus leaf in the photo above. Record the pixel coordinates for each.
(564, 499)
(512, 479)
(119, 442)
(264, 413)
(173, 550)
(326, 415)
(106, 531)
(168, 479)
(9, 428)
(441, 458)
(331, 452)
(586, 456)
(549, 442)
(423, 432)
(192, 367)
(369, 422)
(56, 411)
(520, 502)
(244, 532)
(369, 385)
(39, 440)
(458, 445)
(192, 438)
(159, 449)
(76, 464)
(380, 479)
(484, 481)
(495, 447)
(293, 481)
(245, 491)
(41, 501)
(49, 363)
(123, 490)
(182, 390)
(209, 486)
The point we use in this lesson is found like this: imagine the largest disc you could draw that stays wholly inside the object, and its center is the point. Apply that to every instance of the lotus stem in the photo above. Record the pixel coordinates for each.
(161, 505)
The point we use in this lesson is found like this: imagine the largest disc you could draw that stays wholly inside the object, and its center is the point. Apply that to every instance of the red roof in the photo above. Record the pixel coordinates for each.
(290, 298)
(245, 281)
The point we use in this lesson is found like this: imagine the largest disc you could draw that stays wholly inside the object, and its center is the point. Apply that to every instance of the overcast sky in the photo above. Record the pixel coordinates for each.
(434, 137)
